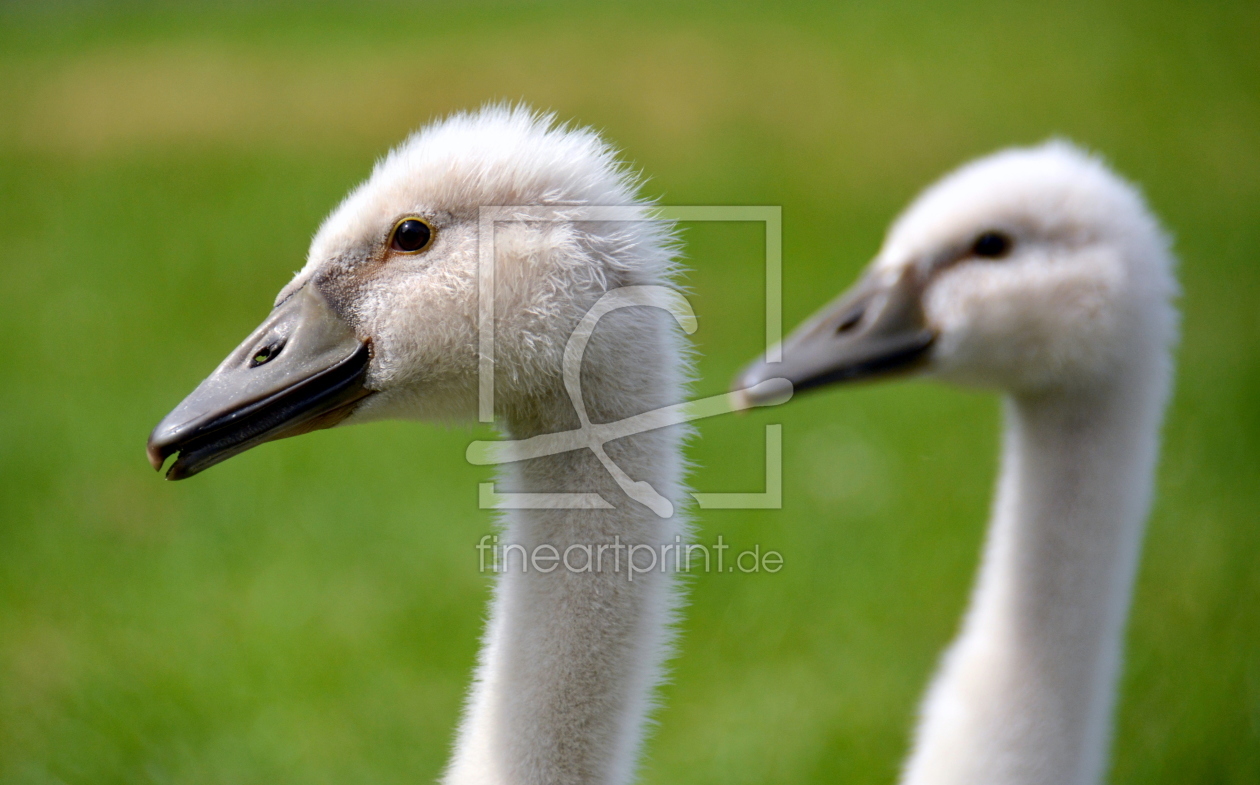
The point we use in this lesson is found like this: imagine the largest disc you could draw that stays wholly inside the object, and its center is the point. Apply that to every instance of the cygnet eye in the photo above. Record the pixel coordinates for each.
(411, 235)
(992, 245)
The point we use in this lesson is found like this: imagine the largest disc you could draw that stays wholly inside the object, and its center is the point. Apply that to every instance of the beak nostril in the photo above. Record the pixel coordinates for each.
(850, 322)
(265, 354)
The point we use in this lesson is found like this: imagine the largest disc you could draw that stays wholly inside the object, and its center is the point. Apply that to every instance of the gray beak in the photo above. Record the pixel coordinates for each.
(302, 370)
(875, 329)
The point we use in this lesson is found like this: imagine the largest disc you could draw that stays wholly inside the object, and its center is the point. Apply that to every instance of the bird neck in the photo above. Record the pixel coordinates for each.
(1025, 694)
(579, 626)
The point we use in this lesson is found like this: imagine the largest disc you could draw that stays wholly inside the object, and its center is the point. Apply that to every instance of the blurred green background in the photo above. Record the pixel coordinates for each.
(309, 612)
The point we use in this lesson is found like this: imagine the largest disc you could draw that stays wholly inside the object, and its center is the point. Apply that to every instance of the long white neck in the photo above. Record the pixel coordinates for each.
(571, 657)
(1025, 694)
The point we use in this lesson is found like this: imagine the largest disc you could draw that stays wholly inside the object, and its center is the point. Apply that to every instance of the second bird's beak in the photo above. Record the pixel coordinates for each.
(874, 329)
(301, 370)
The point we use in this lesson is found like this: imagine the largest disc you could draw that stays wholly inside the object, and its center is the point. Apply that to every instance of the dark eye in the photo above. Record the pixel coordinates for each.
(266, 354)
(991, 245)
(411, 235)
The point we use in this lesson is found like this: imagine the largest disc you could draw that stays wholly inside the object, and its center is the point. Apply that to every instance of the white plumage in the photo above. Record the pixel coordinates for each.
(1039, 273)
(570, 660)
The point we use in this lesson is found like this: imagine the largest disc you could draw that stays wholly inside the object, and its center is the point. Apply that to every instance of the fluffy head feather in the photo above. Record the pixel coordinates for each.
(1085, 287)
(420, 311)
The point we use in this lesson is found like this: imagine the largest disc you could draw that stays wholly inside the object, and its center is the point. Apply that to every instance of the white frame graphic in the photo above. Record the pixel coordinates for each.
(594, 436)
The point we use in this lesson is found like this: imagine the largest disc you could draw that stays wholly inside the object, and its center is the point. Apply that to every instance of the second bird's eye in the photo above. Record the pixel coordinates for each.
(991, 245)
(411, 235)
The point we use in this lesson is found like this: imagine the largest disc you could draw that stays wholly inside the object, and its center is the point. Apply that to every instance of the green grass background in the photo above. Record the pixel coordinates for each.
(309, 612)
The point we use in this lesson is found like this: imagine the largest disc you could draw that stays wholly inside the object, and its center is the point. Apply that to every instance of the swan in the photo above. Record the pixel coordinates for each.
(1040, 273)
(382, 322)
